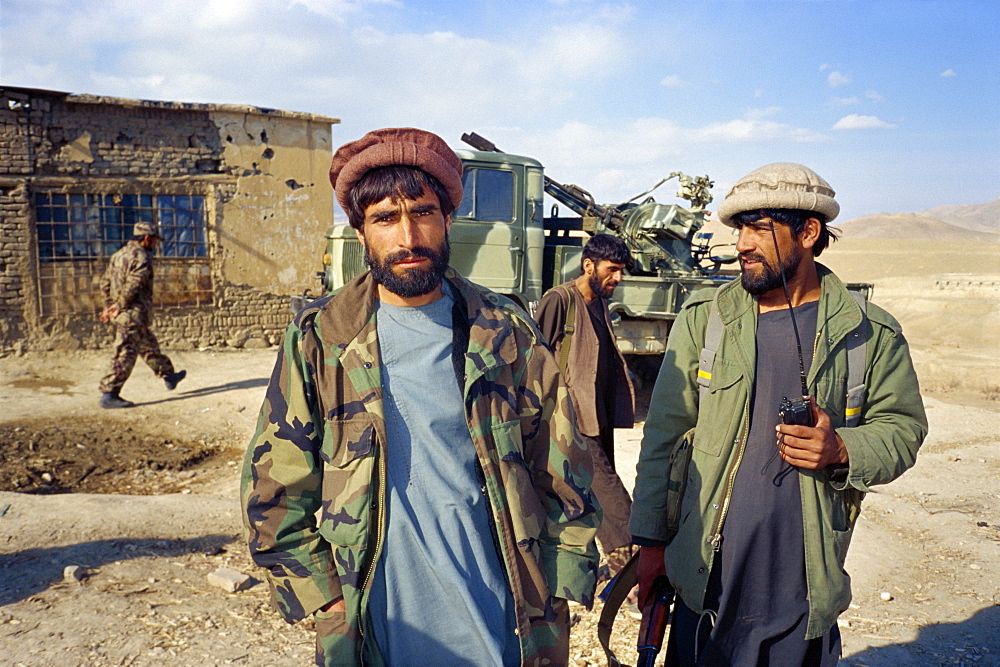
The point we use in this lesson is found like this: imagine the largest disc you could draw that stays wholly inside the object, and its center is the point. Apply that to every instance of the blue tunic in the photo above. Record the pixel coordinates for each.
(440, 593)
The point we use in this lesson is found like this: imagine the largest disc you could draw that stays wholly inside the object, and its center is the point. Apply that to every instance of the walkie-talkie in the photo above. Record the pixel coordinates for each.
(793, 410)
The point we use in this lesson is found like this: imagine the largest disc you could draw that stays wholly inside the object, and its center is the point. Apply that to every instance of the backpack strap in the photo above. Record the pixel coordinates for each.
(857, 349)
(569, 327)
(713, 336)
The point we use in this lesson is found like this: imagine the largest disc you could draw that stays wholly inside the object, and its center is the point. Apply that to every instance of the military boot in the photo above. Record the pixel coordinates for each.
(172, 379)
(112, 400)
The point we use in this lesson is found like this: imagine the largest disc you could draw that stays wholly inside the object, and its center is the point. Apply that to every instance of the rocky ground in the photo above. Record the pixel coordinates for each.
(144, 502)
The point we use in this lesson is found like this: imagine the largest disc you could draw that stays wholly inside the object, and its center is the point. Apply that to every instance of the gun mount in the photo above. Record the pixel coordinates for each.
(664, 239)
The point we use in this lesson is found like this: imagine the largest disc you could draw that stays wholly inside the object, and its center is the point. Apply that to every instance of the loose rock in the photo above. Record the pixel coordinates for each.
(229, 579)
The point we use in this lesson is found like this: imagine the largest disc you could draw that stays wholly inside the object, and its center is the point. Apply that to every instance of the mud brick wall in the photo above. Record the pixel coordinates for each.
(14, 254)
(231, 155)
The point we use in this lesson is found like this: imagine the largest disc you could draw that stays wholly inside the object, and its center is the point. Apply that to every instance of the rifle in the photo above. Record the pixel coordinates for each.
(614, 595)
(659, 616)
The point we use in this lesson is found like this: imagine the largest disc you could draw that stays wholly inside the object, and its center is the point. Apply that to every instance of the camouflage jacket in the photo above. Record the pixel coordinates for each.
(128, 283)
(313, 477)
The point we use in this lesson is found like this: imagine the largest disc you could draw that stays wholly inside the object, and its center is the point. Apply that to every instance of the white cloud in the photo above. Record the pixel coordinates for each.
(874, 96)
(855, 122)
(763, 113)
(824, 67)
(674, 81)
(949, 73)
(845, 101)
(835, 79)
(754, 130)
(759, 93)
(339, 9)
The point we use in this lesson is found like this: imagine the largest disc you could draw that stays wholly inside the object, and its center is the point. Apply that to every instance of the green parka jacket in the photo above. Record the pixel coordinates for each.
(883, 445)
(313, 477)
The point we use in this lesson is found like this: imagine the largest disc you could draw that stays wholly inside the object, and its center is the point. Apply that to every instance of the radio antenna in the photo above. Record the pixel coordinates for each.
(791, 312)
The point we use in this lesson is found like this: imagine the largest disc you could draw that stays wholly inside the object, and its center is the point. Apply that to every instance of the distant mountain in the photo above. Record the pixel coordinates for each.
(978, 217)
(915, 226)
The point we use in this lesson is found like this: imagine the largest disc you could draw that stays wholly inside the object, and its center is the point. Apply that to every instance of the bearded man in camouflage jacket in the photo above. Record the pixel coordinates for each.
(416, 481)
(127, 289)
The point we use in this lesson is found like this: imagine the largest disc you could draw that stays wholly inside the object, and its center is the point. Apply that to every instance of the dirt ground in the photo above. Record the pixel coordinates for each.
(145, 500)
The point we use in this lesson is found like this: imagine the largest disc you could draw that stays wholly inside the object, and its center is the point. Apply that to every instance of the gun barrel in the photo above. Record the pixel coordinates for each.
(480, 143)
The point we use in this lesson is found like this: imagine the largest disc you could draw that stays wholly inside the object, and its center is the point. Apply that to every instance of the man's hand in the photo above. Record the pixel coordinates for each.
(650, 567)
(110, 312)
(334, 605)
(813, 448)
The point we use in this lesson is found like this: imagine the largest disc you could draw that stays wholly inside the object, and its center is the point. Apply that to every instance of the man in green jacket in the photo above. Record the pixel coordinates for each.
(767, 508)
(416, 481)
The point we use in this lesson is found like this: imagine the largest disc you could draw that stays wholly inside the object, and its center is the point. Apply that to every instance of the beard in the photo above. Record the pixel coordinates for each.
(599, 289)
(768, 276)
(411, 282)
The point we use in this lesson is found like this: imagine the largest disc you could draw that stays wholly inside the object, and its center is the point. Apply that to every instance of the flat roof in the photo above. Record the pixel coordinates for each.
(180, 106)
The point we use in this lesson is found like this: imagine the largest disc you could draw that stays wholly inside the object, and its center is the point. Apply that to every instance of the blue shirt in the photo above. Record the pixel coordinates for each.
(440, 593)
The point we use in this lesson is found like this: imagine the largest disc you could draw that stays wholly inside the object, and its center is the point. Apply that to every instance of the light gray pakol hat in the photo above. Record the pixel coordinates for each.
(780, 185)
(146, 229)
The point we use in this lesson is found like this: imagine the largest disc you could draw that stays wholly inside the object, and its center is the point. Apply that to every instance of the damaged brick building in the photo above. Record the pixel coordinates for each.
(240, 194)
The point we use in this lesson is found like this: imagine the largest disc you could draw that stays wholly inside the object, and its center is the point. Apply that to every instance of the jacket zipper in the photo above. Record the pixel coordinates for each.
(715, 538)
(379, 530)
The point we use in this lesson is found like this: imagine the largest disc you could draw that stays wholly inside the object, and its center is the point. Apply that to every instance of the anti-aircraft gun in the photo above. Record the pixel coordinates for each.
(664, 239)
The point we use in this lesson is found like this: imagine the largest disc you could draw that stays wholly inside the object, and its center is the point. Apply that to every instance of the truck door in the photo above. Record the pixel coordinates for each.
(487, 232)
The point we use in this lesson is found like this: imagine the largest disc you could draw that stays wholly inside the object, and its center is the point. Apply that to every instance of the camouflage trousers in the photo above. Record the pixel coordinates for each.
(132, 341)
(613, 534)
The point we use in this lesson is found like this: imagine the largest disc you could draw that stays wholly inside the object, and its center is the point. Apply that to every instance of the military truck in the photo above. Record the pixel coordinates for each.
(502, 239)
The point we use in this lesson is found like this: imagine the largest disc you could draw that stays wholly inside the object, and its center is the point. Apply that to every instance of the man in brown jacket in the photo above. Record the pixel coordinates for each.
(574, 319)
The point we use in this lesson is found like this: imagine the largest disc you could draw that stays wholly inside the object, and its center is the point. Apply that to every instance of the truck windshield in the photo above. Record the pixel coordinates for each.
(489, 195)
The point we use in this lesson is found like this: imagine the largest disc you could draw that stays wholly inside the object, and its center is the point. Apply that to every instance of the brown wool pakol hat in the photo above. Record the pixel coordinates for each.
(396, 145)
(780, 185)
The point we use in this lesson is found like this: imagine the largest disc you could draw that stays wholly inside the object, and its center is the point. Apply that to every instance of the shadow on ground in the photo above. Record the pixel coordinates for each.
(975, 641)
(26, 573)
(253, 383)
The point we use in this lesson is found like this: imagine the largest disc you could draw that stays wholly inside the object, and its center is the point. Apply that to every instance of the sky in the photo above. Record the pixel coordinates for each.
(895, 102)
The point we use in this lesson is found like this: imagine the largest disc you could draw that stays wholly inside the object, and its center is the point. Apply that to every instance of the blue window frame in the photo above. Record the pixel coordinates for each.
(92, 226)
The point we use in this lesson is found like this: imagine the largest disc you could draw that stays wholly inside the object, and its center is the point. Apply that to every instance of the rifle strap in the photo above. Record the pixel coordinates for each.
(713, 336)
(616, 594)
(569, 327)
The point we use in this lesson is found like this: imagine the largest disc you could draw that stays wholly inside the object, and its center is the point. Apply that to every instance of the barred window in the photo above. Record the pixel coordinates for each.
(78, 232)
(89, 226)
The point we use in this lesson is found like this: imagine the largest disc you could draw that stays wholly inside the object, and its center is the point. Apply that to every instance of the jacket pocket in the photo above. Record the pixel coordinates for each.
(348, 455)
(680, 459)
(720, 417)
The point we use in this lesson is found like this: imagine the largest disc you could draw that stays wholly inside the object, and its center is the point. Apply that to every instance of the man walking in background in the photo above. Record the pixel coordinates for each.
(775, 483)
(127, 288)
(574, 318)
(416, 481)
